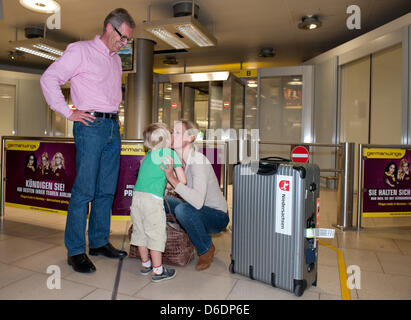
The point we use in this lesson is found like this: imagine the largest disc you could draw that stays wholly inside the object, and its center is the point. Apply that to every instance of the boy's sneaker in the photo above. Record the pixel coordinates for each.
(166, 275)
(145, 271)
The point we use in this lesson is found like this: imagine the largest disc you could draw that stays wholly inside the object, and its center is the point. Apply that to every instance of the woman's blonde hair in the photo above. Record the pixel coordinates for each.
(157, 136)
(191, 127)
(53, 161)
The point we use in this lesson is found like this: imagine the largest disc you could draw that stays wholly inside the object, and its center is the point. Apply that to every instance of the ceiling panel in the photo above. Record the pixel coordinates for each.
(242, 27)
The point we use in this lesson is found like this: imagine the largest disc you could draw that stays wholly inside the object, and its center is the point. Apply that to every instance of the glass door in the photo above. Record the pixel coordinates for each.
(216, 105)
(284, 107)
(237, 102)
(214, 101)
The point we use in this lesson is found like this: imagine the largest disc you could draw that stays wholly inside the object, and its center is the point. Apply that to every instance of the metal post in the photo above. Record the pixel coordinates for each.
(346, 188)
(225, 168)
(360, 182)
(3, 194)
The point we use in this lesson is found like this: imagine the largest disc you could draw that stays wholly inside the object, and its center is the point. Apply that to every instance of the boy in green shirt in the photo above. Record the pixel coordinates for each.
(147, 208)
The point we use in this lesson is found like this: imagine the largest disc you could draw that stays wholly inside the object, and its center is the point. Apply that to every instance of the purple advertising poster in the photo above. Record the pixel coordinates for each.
(214, 155)
(387, 183)
(39, 174)
(131, 154)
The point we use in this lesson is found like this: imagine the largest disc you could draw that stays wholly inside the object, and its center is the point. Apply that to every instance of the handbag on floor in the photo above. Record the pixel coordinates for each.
(179, 250)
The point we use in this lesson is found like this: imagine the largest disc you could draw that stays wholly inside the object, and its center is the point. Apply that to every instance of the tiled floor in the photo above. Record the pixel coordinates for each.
(31, 241)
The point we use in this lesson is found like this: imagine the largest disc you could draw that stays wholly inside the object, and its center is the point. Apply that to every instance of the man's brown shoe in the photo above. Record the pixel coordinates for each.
(205, 259)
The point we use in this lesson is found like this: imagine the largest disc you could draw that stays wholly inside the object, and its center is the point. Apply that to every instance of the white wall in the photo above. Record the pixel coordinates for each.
(31, 108)
(386, 104)
(355, 100)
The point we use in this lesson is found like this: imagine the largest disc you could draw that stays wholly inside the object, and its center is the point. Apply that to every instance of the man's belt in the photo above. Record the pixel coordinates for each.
(112, 116)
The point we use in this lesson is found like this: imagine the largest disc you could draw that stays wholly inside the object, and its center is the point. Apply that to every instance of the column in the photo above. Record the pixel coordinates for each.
(140, 90)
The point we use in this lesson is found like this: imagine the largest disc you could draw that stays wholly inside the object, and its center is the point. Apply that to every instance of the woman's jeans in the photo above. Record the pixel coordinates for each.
(198, 224)
(97, 167)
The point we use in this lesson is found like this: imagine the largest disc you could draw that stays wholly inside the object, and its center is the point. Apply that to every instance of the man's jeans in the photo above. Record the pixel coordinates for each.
(198, 224)
(97, 167)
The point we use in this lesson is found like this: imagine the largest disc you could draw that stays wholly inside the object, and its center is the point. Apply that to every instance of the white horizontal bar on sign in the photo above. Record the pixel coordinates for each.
(300, 155)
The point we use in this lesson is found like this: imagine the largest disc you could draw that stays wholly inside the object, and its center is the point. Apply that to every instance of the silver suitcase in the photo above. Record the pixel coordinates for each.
(274, 202)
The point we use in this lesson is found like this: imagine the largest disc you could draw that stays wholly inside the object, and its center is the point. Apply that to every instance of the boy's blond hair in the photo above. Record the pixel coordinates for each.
(157, 136)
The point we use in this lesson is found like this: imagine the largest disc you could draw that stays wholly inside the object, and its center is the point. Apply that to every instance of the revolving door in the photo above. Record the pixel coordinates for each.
(211, 100)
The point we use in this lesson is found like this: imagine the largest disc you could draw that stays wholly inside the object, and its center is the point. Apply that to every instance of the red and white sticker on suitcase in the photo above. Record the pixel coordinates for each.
(284, 205)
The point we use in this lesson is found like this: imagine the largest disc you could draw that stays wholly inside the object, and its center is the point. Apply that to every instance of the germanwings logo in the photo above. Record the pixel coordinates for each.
(285, 185)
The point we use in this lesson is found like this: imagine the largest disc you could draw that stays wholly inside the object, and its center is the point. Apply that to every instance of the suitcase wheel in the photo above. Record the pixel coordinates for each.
(299, 290)
(315, 281)
(231, 267)
(299, 287)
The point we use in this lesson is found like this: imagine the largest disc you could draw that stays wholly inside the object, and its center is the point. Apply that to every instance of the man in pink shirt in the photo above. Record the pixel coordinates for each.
(94, 70)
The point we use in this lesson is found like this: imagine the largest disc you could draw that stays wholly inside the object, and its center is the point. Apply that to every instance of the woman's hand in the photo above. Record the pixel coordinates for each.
(168, 168)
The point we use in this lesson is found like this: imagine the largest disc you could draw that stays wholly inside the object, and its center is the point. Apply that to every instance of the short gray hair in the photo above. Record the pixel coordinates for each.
(117, 17)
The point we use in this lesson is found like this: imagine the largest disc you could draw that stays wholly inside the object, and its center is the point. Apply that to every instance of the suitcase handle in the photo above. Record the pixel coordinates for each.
(276, 158)
(267, 169)
(269, 165)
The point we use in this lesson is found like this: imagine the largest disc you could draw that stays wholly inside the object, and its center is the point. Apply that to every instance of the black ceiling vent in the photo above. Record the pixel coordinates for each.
(170, 60)
(267, 52)
(33, 32)
(161, 52)
(184, 8)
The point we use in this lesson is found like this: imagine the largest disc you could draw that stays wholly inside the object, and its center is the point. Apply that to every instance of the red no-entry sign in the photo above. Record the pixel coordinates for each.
(300, 154)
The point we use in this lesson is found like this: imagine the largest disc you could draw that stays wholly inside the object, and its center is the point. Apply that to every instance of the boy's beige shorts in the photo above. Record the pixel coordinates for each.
(149, 221)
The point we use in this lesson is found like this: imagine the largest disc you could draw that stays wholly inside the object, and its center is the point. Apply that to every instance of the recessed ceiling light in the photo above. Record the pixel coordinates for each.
(42, 6)
(37, 53)
(309, 23)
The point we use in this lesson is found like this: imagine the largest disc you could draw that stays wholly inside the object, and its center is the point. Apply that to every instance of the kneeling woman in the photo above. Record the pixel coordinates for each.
(204, 209)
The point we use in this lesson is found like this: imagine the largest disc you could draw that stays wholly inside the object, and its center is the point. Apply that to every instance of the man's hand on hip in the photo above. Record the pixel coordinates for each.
(81, 116)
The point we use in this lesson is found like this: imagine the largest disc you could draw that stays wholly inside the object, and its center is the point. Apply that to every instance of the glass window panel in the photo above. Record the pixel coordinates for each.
(216, 104)
(237, 102)
(355, 101)
(164, 102)
(7, 103)
(281, 109)
(196, 97)
(251, 105)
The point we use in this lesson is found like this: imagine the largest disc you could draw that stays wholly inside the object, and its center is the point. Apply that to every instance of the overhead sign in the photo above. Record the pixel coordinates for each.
(250, 73)
(300, 154)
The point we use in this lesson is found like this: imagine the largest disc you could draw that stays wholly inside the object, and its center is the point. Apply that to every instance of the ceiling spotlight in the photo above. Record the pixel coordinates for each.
(15, 55)
(309, 23)
(42, 6)
(267, 52)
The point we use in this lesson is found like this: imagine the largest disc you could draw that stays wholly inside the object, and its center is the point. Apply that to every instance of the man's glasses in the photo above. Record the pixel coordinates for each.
(122, 38)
